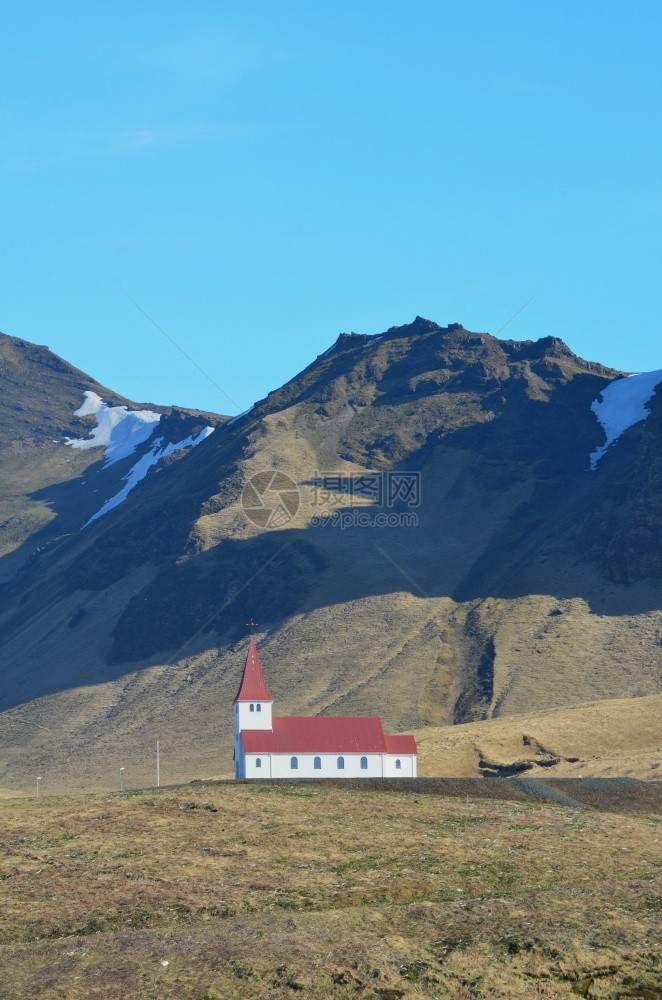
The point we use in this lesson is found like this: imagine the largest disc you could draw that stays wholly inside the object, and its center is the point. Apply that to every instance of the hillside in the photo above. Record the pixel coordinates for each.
(525, 581)
(604, 739)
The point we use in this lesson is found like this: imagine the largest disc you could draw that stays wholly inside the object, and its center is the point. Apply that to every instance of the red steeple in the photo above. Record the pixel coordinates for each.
(253, 686)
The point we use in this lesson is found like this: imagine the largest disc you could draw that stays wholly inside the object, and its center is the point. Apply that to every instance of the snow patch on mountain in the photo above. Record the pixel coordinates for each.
(621, 404)
(118, 430)
(144, 464)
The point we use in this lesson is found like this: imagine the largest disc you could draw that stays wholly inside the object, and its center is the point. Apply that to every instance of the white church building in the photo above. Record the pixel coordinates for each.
(273, 746)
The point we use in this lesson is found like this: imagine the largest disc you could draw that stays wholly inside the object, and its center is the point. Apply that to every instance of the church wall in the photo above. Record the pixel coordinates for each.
(407, 767)
(253, 771)
(239, 760)
(259, 718)
(281, 766)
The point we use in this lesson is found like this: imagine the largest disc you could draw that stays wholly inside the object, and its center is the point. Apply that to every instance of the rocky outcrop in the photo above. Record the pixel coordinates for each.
(538, 756)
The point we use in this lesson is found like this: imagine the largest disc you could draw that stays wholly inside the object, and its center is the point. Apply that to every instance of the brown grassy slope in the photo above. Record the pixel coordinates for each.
(609, 738)
(78, 738)
(262, 891)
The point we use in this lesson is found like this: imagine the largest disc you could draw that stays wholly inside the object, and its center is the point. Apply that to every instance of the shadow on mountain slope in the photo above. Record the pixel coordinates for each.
(487, 528)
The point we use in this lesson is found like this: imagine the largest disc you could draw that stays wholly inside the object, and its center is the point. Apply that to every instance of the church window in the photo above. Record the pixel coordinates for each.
(258, 762)
(294, 763)
(364, 763)
(252, 708)
(258, 708)
(317, 763)
(341, 763)
(398, 765)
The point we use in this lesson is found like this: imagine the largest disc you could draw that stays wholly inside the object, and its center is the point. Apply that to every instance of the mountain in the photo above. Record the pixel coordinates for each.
(413, 520)
(42, 399)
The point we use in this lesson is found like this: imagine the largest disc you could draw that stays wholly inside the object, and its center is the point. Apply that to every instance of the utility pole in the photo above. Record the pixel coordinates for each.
(158, 765)
(121, 779)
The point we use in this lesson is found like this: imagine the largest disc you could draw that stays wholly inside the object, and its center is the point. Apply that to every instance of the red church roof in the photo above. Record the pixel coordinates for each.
(324, 734)
(253, 686)
(402, 743)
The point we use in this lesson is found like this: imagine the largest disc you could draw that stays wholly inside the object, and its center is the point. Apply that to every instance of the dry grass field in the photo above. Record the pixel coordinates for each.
(320, 891)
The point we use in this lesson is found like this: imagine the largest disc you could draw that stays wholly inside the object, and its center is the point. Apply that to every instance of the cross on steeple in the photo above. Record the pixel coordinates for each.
(251, 625)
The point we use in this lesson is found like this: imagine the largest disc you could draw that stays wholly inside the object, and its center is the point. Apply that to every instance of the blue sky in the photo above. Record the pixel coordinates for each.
(260, 176)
